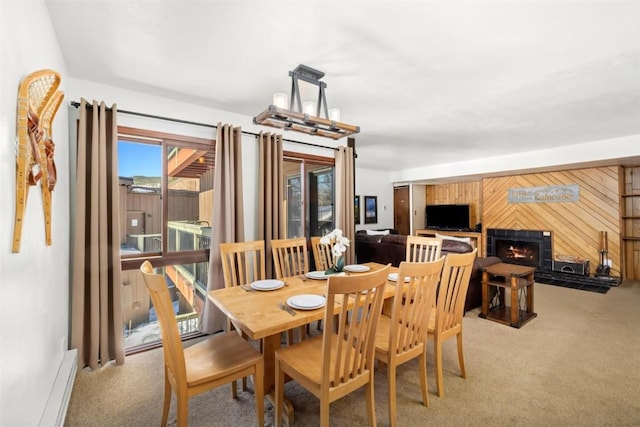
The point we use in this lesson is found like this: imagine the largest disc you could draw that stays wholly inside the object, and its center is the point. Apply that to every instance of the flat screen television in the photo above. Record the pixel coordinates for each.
(447, 217)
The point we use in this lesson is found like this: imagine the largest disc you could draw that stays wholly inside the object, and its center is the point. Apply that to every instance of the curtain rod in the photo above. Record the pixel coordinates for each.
(152, 116)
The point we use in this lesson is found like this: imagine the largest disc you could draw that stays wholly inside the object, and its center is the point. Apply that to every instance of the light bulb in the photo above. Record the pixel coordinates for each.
(309, 107)
(334, 114)
(280, 100)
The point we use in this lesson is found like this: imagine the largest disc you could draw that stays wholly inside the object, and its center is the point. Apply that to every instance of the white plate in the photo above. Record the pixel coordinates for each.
(267, 285)
(306, 302)
(394, 277)
(357, 268)
(318, 275)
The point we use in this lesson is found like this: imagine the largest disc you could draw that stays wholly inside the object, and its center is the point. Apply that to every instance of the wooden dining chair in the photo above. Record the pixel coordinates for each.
(242, 264)
(290, 259)
(403, 336)
(423, 249)
(322, 255)
(215, 361)
(446, 320)
(333, 365)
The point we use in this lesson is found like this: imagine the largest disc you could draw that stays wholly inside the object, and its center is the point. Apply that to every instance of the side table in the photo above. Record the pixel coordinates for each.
(495, 280)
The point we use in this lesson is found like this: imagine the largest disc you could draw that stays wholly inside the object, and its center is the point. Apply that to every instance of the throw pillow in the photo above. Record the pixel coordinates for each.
(457, 239)
(377, 233)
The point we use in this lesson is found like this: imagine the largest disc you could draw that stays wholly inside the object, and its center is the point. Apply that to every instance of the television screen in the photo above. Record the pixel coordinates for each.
(447, 217)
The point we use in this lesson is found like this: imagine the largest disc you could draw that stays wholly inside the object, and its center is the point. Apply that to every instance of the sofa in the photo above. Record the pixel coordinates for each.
(392, 247)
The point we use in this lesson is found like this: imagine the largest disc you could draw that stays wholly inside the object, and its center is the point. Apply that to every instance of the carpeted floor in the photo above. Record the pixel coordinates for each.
(576, 364)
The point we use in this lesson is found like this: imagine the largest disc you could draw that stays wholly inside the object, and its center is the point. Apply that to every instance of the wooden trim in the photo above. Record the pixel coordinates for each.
(292, 155)
(167, 137)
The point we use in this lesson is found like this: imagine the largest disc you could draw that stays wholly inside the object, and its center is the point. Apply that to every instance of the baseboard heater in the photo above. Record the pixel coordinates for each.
(56, 410)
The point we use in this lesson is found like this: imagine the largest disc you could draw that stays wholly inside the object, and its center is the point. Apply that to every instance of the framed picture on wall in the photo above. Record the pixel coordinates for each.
(356, 209)
(370, 209)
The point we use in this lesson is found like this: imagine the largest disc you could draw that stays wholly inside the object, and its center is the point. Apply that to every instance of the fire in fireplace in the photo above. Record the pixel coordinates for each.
(524, 247)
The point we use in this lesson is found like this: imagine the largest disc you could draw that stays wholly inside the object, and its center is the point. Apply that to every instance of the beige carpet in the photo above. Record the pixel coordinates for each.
(576, 364)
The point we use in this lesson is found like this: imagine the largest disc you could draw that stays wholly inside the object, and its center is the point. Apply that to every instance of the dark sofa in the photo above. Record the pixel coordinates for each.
(391, 248)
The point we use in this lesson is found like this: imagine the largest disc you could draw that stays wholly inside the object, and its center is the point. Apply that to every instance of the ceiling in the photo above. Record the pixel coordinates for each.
(441, 80)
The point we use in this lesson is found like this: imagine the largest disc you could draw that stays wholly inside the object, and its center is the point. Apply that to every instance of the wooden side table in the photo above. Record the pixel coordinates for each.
(495, 280)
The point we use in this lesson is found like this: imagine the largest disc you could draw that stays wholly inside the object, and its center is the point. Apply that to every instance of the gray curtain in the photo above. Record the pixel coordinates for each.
(228, 214)
(271, 213)
(96, 312)
(345, 195)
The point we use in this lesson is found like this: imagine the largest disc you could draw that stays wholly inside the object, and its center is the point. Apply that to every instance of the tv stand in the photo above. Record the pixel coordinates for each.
(476, 238)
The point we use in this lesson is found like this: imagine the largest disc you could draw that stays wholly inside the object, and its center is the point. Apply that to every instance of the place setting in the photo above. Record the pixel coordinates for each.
(264, 285)
(303, 302)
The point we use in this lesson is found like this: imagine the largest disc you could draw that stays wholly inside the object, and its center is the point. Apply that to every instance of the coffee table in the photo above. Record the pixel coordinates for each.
(496, 279)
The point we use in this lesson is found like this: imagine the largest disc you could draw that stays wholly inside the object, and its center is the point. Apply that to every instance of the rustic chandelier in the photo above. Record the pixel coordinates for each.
(306, 115)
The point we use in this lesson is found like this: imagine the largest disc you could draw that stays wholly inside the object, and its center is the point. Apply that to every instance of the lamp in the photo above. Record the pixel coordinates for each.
(306, 117)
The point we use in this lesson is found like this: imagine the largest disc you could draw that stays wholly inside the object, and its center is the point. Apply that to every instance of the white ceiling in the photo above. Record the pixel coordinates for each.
(428, 82)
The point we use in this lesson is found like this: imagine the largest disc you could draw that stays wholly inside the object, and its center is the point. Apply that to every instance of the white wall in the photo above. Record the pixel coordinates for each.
(34, 283)
(371, 182)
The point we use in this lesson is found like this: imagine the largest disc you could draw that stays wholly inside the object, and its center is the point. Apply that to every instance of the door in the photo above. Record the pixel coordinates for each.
(401, 212)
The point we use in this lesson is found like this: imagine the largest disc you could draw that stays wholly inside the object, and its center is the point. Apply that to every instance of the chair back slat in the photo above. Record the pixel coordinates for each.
(171, 343)
(243, 262)
(348, 353)
(423, 249)
(290, 257)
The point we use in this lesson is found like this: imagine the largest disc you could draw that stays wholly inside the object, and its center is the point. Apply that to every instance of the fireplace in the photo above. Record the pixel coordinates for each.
(525, 247)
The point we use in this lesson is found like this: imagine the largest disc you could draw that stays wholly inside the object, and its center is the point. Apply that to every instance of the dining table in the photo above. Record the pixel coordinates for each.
(264, 315)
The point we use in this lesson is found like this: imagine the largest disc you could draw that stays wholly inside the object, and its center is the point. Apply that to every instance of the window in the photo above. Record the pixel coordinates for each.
(166, 186)
(309, 193)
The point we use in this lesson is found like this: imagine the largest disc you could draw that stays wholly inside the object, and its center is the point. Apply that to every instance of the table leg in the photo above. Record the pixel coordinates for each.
(269, 346)
(530, 293)
(485, 294)
(514, 300)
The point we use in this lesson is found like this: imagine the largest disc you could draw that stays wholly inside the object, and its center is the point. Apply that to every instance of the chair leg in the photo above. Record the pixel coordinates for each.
(437, 345)
(463, 372)
(258, 392)
(167, 399)
(371, 408)
(182, 410)
(391, 382)
(278, 413)
(234, 389)
(424, 384)
(324, 413)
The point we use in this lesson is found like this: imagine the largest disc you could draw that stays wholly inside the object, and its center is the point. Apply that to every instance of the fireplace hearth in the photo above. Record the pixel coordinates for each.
(524, 247)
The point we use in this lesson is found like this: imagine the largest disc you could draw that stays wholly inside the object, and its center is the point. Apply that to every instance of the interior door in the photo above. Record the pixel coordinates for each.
(401, 212)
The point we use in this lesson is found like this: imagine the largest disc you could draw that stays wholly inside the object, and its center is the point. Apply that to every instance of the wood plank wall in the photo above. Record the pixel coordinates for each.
(630, 179)
(576, 226)
(458, 193)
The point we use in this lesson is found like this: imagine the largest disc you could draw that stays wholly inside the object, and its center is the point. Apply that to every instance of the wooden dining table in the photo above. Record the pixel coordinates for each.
(260, 316)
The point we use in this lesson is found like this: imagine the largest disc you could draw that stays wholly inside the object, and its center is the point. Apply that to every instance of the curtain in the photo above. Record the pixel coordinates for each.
(96, 312)
(228, 215)
(271, 213)
(344, 198)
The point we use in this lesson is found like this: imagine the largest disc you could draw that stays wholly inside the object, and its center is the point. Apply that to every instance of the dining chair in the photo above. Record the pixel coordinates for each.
(446, 320)
(215, 361)
(290, 259)
(402, 336)
(335, 364)
(242, 264)
(423, 249)
(322, 258)
(322, 255)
